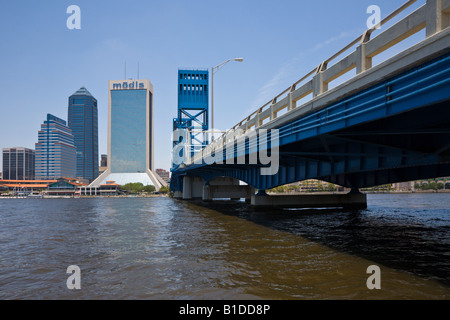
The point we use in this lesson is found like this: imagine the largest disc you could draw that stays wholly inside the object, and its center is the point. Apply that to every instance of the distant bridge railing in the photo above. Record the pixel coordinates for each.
(434, 16)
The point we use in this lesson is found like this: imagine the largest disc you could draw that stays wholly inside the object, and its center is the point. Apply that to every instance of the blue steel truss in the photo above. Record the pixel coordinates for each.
(192, 112)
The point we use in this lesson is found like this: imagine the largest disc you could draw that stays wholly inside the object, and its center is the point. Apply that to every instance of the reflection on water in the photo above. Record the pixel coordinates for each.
(160, 248)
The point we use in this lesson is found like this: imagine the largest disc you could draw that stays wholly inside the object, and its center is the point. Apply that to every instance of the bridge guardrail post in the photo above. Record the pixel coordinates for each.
(258, 121)
(363, 62)
(319, 85)
(273, 114)
(291, 102)
(437, 16)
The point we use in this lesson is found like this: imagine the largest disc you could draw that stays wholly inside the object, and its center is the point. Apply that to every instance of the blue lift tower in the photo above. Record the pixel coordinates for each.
(192, 117)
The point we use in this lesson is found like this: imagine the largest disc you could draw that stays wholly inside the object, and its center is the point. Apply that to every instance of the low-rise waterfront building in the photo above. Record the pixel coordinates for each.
(63, 187)
(25, 187)
(109, 188)
(403, 186)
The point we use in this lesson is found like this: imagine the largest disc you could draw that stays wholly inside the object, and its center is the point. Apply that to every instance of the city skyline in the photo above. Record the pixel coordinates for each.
(49, 55)
(316, 168)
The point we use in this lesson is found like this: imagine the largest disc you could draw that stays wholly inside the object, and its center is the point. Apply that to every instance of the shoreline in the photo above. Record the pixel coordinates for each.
(365, 192)
(269, 193)
(86, 197)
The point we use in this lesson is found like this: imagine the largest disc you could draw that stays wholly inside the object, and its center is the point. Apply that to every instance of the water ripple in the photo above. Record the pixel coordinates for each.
(160, 248)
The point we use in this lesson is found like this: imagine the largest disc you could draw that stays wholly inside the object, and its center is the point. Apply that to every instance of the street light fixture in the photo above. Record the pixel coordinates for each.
(214, 70)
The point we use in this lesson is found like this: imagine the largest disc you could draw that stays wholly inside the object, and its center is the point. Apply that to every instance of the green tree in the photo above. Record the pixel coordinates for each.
(133, 187)
(149, 189)
(164, 189)
(432, 186)
(278, 189)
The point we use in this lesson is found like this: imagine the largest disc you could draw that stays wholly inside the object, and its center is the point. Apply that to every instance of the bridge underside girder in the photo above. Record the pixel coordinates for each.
(409, 146)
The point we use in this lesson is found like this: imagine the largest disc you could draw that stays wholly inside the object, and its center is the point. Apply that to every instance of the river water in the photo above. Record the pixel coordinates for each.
(161, 248)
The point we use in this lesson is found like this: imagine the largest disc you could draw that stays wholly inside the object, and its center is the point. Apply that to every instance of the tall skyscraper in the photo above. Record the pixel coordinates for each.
(55, 150)
(83, 121)
(18, 164)
(130, 134)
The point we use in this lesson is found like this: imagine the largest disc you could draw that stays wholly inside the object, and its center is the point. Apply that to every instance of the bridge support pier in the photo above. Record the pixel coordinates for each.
(347, 201)
(227, 192)
(192, 187)
(226, 188)
(178, 195)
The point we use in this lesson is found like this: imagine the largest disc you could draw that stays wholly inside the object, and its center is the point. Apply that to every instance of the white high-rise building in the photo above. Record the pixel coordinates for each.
(130, 134)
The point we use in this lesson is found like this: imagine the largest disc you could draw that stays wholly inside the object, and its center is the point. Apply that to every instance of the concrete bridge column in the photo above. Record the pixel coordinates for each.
(177, 185)
(178, 194)
(206, 196)
(192, 187)
(187, 188)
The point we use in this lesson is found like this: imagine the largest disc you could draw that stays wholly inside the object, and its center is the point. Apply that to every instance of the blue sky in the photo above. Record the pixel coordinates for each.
(42, 62)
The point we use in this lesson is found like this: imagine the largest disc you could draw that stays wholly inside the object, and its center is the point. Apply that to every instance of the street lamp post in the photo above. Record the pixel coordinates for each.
(214, 70)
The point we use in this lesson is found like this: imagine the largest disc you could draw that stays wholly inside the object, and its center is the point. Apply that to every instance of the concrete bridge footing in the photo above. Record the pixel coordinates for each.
(195, 188)
(229, 188)
(347, 201)
(232, 192)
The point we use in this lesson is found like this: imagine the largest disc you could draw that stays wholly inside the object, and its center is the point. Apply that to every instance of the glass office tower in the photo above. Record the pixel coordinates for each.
(55, 151)
(130, 134)
(129, 130)
(18, 164)
(83, 121)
